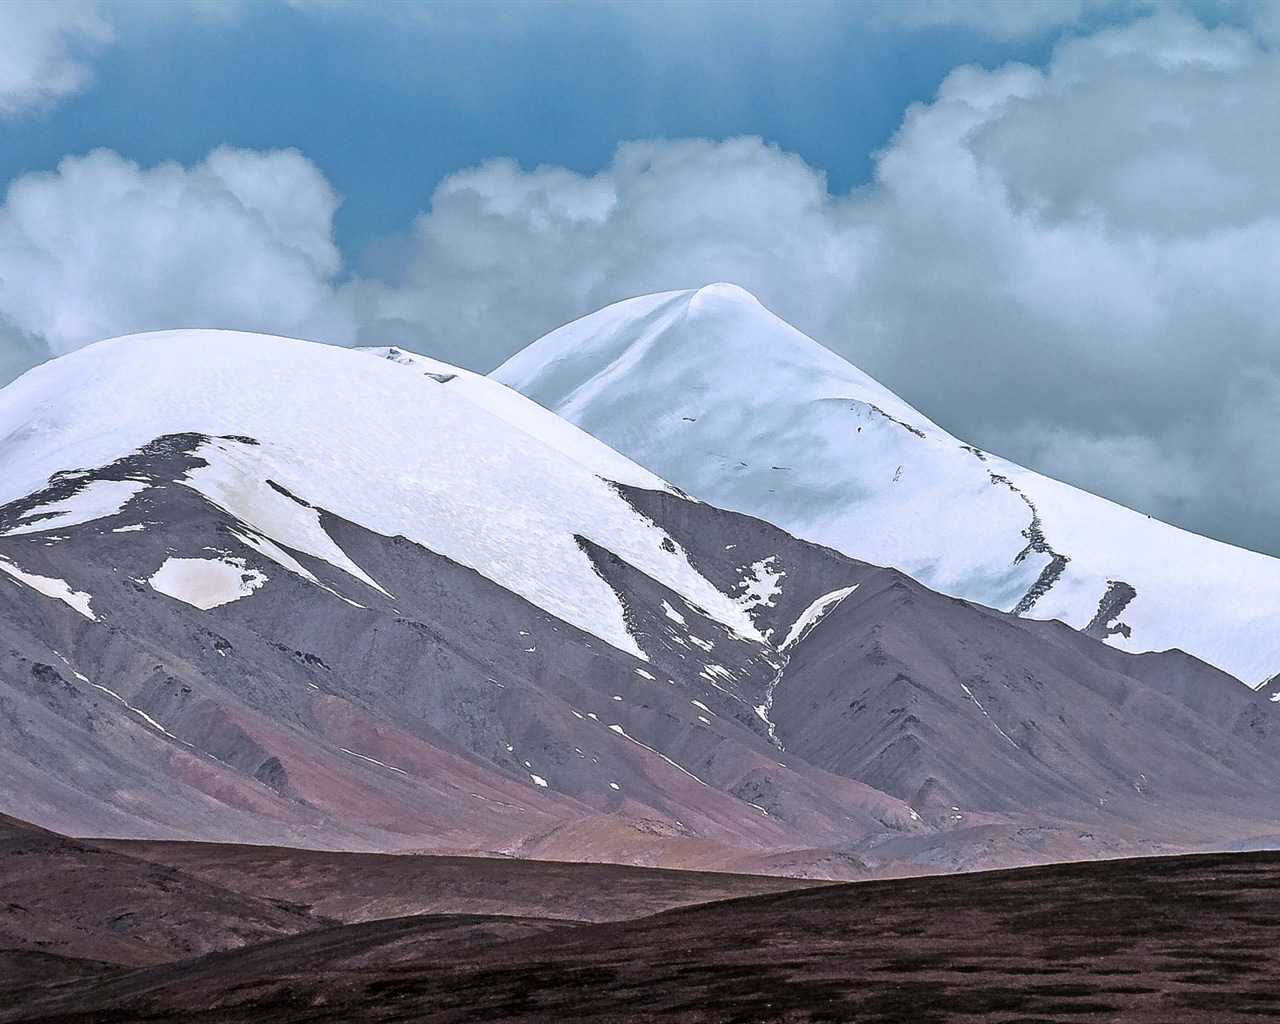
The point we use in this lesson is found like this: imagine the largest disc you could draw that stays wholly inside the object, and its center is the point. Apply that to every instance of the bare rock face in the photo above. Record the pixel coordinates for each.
(221, 635)
(440, 711)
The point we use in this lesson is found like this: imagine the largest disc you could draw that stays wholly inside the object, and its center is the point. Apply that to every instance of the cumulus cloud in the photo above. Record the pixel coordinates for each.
(1084, 254)
(42, 51)
(505, 254)
(103, 247)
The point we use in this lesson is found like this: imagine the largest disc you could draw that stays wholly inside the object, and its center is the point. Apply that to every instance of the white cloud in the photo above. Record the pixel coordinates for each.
(1096, 242)
(504, 254)
(42, 51)
(1087, 254)
(102, 247)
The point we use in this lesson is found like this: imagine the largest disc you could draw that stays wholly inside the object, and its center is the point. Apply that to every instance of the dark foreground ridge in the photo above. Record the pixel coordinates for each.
(1146, 940)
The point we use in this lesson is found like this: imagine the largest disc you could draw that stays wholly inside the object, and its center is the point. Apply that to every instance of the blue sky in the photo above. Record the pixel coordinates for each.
(1051, 226)
(388, 103)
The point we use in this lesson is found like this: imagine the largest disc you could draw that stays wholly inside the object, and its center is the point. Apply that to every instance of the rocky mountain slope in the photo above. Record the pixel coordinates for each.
(259, 590)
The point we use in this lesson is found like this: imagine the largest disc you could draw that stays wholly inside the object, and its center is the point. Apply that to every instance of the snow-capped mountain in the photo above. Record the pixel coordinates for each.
(288, 588)
(723, 399)
(255, 589)
(467, 469)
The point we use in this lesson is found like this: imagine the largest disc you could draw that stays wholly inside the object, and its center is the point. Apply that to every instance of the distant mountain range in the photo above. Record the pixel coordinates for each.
(267, 591)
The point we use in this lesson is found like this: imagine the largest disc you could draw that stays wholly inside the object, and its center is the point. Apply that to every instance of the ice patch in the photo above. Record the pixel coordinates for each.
(978, 704)
(206, 583)
(131, 528)
(622, 732)
(646, 675)
(374, 760)
(276, 553)
(672, 614)
(137, 711)
(96, 500)
(59, 590)
(538, 780)
(765, 711)
(281, 557)
(812, 615)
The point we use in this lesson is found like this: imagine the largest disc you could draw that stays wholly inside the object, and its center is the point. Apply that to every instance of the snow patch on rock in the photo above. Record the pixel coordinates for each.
(49, 586)
(206, 583)
(812, 615)
(98, 499)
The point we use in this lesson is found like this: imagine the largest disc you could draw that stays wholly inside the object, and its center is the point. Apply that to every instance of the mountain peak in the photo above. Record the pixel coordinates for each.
(721, 294)
(698, 340)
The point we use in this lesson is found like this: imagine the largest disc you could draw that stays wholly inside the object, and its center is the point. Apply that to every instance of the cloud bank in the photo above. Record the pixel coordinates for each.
(1070, 265)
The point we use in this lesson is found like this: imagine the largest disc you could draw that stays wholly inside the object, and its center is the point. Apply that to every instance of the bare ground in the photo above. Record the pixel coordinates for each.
(1149, 940)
